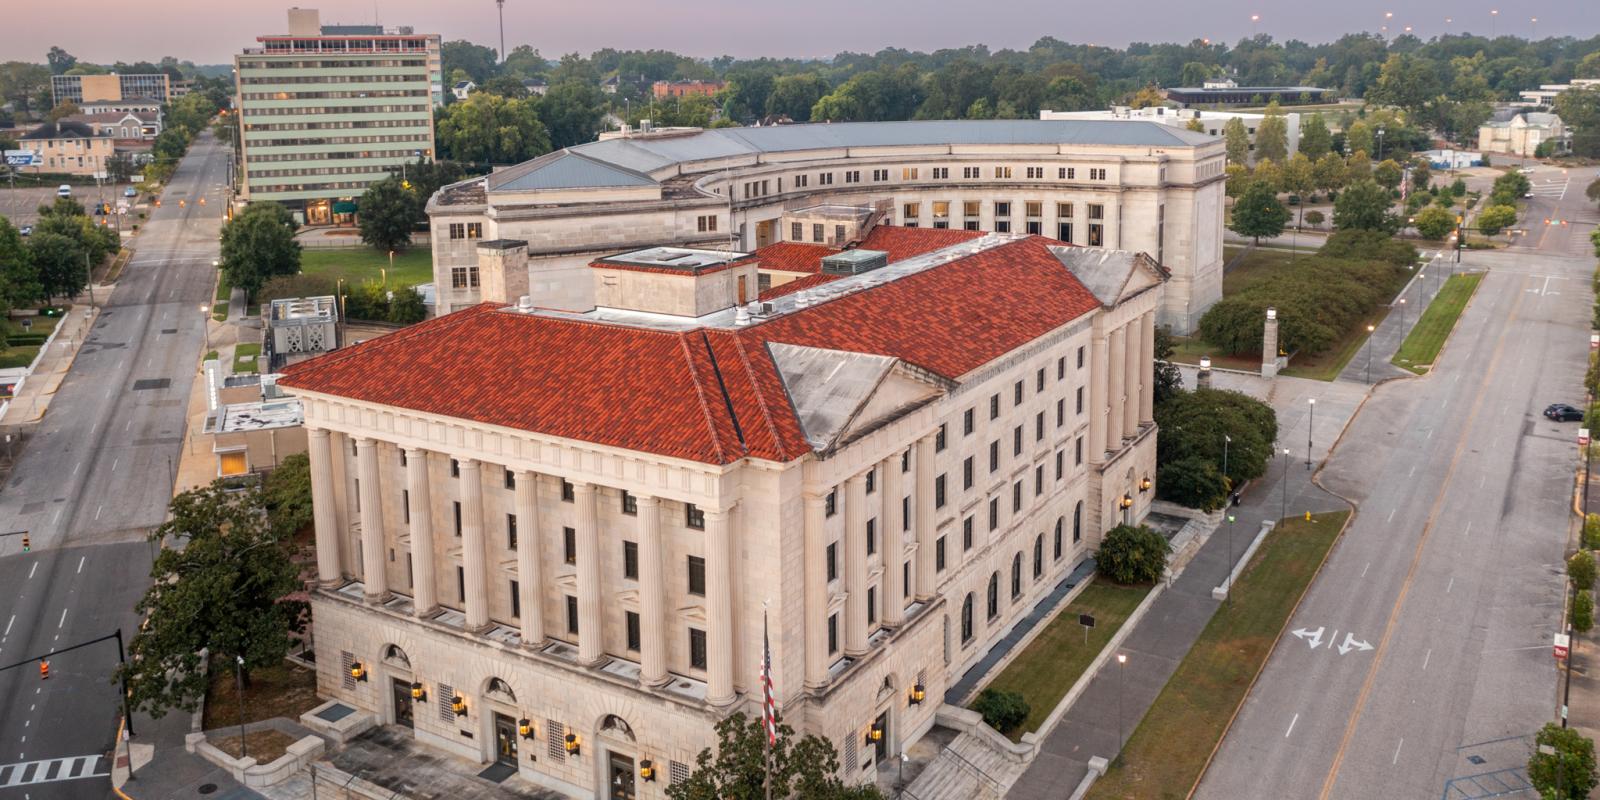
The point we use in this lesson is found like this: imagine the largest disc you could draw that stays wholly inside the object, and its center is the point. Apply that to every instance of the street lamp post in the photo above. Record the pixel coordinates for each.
(1226, 440)
(1122, 661)
(1311, 424)
(238, 674)
(205, 325)
(1370, 329)
(1284, 508)
(1380, 143)
(1402, 318)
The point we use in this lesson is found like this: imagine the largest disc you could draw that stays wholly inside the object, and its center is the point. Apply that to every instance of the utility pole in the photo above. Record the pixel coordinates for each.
(501, 5)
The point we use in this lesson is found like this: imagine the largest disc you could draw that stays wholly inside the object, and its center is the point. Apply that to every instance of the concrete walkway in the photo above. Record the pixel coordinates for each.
(31, 403)
(1402, 317)
(1118, 696)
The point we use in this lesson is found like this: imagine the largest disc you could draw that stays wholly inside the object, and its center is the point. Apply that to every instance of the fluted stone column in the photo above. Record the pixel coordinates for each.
(816, 594)
(530, 577)
(591, 633)
(652, 596)
(474, 559)
(374, 570)
(894, 545)
(1115, 365)
(1098, 383)
(1147, 346)
(719, 608)
(1133, 378)
(424, 579)
(855, 565)
(922, 519)
(323, 512)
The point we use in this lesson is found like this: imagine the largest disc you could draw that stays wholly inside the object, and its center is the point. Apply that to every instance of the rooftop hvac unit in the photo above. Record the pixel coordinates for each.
(854, 262)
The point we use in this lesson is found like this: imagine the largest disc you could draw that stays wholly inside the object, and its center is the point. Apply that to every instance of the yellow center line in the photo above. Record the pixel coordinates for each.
(1416, 557)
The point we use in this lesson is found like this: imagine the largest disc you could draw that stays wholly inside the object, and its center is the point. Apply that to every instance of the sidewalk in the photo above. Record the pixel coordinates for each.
(1385, 341)
(31, 403)
(1118, 697)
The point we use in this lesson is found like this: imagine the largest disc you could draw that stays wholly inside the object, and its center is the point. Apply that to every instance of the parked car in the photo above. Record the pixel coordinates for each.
(130, 192)
(1561, 412)
(26, 230)
(63, 191)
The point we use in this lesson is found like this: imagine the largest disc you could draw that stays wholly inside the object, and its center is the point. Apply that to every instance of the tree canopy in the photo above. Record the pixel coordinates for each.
(389, 211)
(258, 244)
(801, 767)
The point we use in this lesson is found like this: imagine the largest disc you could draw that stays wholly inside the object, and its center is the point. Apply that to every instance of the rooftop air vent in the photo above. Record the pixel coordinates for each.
(855, 262)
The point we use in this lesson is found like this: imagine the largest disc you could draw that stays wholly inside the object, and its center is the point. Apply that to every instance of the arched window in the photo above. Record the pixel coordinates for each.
(1060, 523)
(394, 655)
(1016, 576)
(502, 690)
(994, 595)
(966, 619)
(1077, 523)
(1038, 556)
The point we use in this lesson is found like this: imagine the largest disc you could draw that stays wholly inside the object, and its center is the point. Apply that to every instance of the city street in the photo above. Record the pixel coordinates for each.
(1419, 664)
(93, 478)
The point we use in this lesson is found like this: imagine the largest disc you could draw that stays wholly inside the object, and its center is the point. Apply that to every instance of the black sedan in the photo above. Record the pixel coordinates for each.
(1561, 412)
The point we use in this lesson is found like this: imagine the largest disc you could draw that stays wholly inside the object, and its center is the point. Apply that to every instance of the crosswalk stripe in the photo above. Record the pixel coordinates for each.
(51, 770)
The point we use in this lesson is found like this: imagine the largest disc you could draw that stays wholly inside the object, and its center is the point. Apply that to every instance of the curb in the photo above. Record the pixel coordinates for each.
(1082, 683)
(117, 790)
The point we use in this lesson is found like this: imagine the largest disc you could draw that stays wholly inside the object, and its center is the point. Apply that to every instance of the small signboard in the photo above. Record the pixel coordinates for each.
(23, 158)
(1087, 621)
(1583, 437)
(1561, 644)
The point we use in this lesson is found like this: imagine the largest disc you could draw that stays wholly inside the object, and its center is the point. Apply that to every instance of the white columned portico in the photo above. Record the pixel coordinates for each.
(424, 580)
(652, 595)
(1098, 390)
(1147, 346)
(1116, 393)
(922, 519)
(1133, 378)
(474, 561)
(816, 590)
(374, 574)
(855, 565)
(530, 578)
(325, 516)
(591, 632)
(894, 545)
(719, 608)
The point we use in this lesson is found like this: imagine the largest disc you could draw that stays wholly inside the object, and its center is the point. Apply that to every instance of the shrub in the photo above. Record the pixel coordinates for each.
(1580, 569)
(1497, 218)
(300, 285)
(1002, 710)
(1435, 223)
(1571, 767)
(1130, 554)
(1315, 217)
(1193, 482)
(1591, 532)
(1363, 245)
(1583, 612)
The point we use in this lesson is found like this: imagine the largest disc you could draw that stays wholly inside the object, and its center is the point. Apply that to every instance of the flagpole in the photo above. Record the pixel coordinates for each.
(766, 688)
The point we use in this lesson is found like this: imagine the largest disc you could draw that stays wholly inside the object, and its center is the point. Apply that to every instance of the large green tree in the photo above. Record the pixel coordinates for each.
(1388, 174)
(59, 262)
(389, 212)
(1272, 135)
(223, 587)
(19, 278)
(1434, 222)
(571, 112)
(794, 95)
(1495, 219)
(492, 129)
(1238, 141)
(1580, 111)
(1197, 425)
(1315, 139)
(477, 61)
(1569, 772)
(258, 244)
(1364, 205)
(1329, 172)
(1258, 213)
(801, 767)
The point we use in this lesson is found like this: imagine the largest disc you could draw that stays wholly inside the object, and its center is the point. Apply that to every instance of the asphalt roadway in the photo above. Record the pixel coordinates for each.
(1419, 664)
(92, 479)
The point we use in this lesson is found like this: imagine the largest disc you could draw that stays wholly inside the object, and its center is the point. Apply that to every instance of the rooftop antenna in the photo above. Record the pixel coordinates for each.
(375, 19)
(501, 5)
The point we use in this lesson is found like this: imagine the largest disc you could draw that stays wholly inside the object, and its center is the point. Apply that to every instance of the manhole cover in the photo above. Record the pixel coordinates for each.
(151, 383)
(1476, 759)
(207, 788)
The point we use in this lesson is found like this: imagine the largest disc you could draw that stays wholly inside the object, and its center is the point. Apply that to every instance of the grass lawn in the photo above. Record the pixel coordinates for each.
(219, 311)
(1426, 339)
(1254, 266)
(1168, 751)
(358, 265)
(20, 356)
(1057, 656)
(1188, 350)
(244, 357)
(284, 690)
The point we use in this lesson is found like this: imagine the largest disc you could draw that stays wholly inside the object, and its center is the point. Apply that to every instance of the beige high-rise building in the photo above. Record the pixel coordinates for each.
(553, 538)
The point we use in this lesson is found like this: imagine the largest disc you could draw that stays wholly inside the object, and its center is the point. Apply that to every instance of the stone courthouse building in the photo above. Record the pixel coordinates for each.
(549, 535)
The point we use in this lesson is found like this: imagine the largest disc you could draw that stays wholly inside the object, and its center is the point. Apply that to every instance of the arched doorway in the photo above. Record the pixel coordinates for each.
(619, 761)
(398, 676)
(501, 716)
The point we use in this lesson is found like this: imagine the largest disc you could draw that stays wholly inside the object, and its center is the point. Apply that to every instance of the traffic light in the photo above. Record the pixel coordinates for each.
(44, 670)
(27, 544)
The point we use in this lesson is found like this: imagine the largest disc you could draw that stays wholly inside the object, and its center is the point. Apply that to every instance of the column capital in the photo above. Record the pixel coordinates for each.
(363, 442)
(466, 463)
(520, 473)
(317, 433)
(583, 487)
(647, 500)
(415, 452)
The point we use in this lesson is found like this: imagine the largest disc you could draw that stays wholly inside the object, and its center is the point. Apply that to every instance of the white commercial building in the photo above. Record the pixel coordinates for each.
(1136, 185)
(1213, 121)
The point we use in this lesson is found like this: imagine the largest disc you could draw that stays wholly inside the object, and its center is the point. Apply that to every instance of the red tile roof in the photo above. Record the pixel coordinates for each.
(800, 283)
(794, 256)
(904, 243)
(707, 395)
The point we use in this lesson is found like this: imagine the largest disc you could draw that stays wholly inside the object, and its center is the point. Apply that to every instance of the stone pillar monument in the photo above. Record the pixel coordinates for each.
(1269, 345)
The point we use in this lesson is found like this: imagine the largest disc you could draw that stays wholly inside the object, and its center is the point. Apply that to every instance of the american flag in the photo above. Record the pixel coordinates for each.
(769, 703)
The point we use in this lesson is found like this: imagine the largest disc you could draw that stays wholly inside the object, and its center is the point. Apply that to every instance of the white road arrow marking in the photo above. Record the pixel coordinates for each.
(1313, 638)
(1352, 643)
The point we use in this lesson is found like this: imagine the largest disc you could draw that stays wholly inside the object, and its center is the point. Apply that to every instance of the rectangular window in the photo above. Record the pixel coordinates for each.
(1038, 427)
(572, 615)
(1097, 235)
(1002, 226)
(569, 545)
(1077, 455)
(1064, 210)
(1002, 209)
(994, 513)
(455, 468)
(1016, 393)
(516, 599)
(694, 517)
(1016, 496)
(966, 534)
(967, 422)
(1060, 462)
(830, 504)
(801, 180)
(1038, 380)
(938, 555)
(941, 173)
(833, 561)
(966, 473)
(852, 176)
(994, 406)
(632, 619)
(461, 585)
(1097, 211)
(697, 648)
(1067, 173)
(816, 232)
(510, 479)
(969, 172)
(630, 504)
(872, 480)
(833, 634)
(1035, 228)
(1002, 172)
(1038, 480)
(905, 461)
(1078, 398)
(511, 531)
(697, 576)
(879, 175)
(1064, 232)
(1097, 173)
(911, 211)
(1034, 208)
(1080, 357)
(1061, 368)
(566, 491)
(872, 536)
(1016, 441)
(905, 504)
(405, 504)
(938, 492)
(994, 455)
(706, 223)
(872, 605)
(457, 505)
(1061, 411)
(824, 179)
(796, 231)
(630, 560)
(1036, 172)
(908, 173)
(939, 439)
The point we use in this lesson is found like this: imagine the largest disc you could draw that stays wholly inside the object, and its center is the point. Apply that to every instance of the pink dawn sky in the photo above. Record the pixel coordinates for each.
(211, 31)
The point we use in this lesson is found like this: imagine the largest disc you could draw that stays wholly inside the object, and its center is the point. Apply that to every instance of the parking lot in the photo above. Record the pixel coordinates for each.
(21, 205)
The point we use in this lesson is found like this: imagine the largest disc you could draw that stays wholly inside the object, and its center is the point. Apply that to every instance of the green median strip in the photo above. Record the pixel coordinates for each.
(1427, 338)
(1168, 751)
(1053, 661)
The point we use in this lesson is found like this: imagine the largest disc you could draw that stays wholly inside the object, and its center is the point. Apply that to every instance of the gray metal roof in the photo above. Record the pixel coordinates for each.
(623, 161)
(565, 169)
